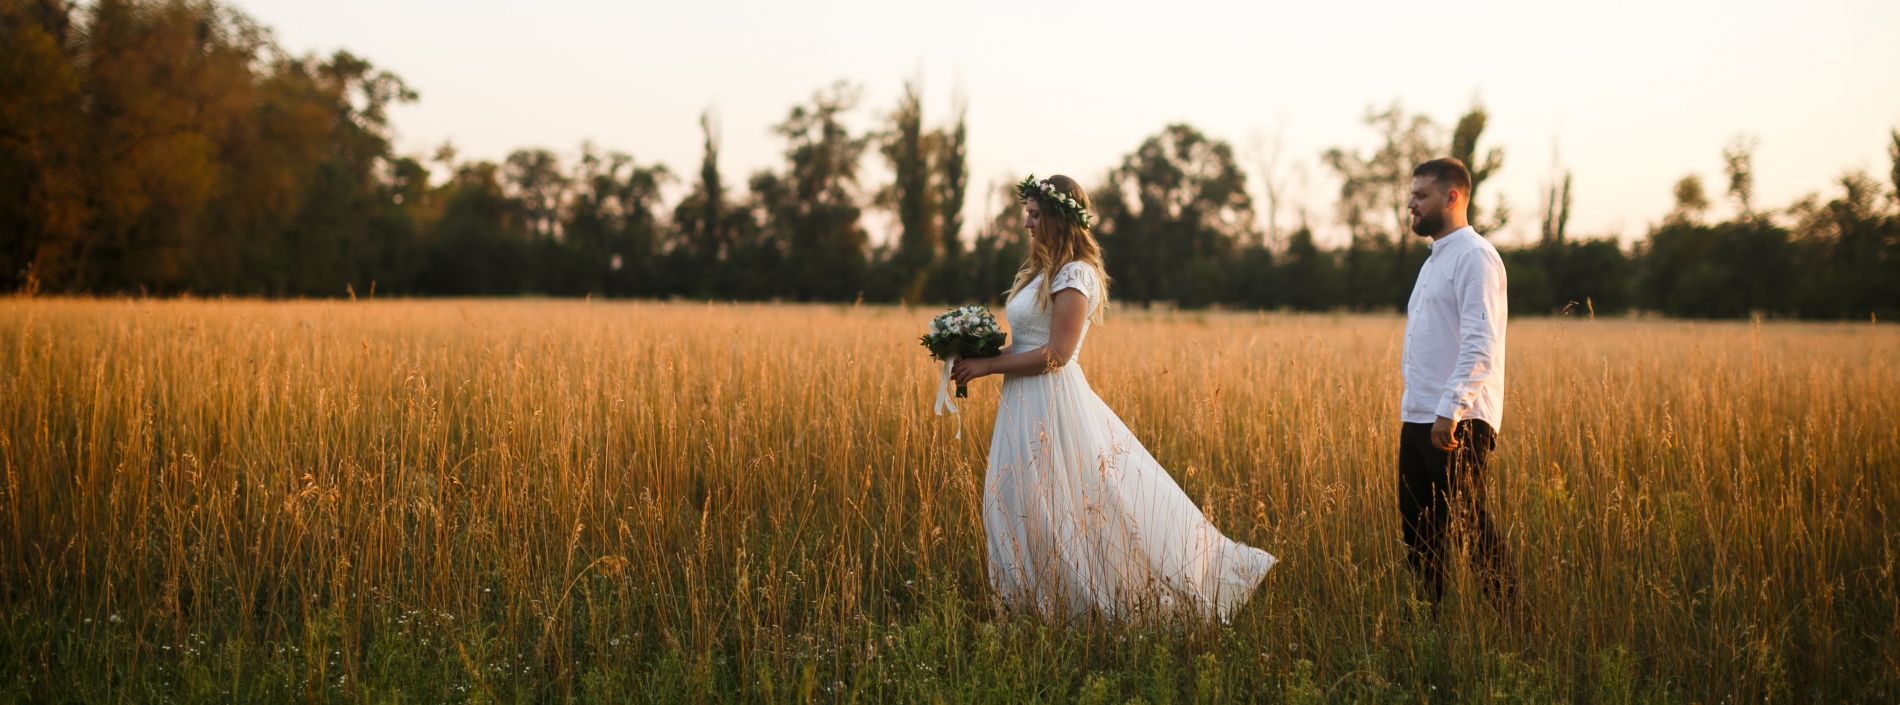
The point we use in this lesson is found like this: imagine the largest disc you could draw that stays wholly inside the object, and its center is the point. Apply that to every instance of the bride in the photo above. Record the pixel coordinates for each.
(1080, 518)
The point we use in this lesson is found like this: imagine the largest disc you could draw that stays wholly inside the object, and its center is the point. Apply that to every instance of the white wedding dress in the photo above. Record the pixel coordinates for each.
(1080, 518)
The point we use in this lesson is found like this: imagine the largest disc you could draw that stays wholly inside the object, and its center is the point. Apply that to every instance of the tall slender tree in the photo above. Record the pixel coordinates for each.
(952, 189)
(907, 148)
(1464, 147)
(699, 244)
(1738, 160)
(1557, 209)
(1893, 154)
(708, 239)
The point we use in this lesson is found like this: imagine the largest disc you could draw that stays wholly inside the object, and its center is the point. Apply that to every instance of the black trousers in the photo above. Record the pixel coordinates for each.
(1440, 490)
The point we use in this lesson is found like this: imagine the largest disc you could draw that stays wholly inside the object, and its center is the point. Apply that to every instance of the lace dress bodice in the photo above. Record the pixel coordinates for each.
(1030, 317)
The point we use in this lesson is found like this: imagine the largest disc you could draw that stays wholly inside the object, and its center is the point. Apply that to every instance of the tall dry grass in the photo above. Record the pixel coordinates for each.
(550, 500)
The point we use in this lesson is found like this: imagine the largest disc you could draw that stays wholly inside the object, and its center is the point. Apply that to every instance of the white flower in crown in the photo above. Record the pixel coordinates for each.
(1031, 186)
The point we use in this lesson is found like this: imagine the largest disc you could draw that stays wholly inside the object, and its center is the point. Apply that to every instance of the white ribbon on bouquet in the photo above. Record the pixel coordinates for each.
(946, 399)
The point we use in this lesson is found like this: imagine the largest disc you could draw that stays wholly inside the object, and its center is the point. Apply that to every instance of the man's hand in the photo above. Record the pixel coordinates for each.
(1442, 437)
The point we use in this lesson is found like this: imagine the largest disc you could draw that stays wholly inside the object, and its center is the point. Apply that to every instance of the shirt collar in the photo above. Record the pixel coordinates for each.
(1445, 241)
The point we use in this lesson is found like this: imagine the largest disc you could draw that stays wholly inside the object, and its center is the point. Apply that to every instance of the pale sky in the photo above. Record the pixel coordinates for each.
(1630, 96)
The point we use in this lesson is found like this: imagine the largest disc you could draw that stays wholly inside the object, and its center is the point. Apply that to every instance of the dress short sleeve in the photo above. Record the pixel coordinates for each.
(1080, 277)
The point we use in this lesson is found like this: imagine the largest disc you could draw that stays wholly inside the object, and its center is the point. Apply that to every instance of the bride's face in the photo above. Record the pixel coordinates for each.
(1032, 215)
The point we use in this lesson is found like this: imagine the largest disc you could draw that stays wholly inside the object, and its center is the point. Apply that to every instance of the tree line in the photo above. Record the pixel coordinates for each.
(171, 148)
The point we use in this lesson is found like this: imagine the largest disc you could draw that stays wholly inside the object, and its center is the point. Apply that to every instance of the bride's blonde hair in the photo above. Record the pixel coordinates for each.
(1060, 237)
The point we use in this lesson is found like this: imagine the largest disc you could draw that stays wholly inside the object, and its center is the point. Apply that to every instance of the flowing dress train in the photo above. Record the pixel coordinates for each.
(1079, 517)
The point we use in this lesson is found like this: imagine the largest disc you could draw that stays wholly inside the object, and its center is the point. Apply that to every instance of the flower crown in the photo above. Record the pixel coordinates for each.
(1031, 188)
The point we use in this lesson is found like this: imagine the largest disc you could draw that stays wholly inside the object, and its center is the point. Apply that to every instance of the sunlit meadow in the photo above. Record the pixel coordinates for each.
(549, 501)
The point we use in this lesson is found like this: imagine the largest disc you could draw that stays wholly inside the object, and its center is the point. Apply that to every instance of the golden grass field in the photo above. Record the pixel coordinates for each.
(510, 501)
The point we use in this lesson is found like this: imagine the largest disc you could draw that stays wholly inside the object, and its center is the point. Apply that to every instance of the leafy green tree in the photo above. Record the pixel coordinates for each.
(350, 233)
(950, 188)
(1863, 245)
(537, 186)
(999, 250)
(716, 249)
(1557, 210)
(1311, 277)
(1726, 270)
(812, 207)
(908, 148)
(481, 240)
(533, 177)
(610, 230)
(1380, 259)
(1738, 160)
(1252, 279)
(1171, 213)
(164, 84)
(1691, 200)
(1464, 147)
(708, 216)
(1893, 153)
(1569, 277)
(44, 205)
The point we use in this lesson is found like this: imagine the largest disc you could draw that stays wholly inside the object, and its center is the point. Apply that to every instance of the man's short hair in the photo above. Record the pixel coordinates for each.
(1447, 171)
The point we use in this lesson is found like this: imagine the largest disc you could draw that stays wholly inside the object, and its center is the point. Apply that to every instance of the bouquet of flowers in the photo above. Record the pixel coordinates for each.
(966, 332)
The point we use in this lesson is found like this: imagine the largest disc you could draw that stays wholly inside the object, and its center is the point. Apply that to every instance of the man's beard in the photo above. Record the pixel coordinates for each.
(1429, 224)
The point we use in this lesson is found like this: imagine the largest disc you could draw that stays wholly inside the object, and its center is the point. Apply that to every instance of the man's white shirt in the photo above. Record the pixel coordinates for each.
(1454, 334)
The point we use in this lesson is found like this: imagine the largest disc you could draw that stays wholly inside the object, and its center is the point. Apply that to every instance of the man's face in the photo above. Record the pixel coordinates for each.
(1430, 205)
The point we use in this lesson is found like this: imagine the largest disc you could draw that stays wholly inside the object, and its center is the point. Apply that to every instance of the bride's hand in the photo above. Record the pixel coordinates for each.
(966, 370)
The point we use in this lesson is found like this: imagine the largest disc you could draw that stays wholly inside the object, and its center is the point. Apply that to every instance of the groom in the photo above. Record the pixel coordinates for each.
(1454, 386)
